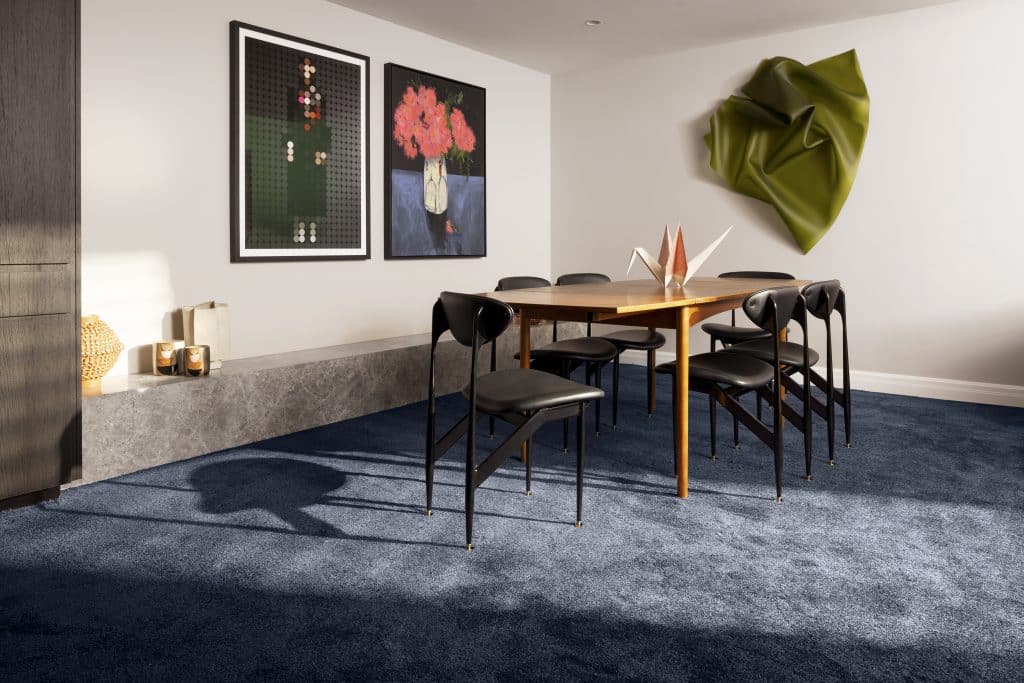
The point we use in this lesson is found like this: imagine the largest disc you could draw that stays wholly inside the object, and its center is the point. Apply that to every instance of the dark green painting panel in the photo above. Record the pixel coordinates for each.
(794, 139)
(304, 181)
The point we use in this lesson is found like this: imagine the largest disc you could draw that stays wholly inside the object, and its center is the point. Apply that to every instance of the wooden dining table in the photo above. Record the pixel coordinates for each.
(640, 303)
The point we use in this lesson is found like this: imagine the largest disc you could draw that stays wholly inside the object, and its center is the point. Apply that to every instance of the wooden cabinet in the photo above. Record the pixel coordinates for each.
(40, 390)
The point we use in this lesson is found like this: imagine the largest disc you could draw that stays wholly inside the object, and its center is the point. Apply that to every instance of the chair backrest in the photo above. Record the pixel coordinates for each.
(759, 274)
(821, 298)
(464, 313)
(521, 282)
(581, 278)
(577, 279)
(771, 309)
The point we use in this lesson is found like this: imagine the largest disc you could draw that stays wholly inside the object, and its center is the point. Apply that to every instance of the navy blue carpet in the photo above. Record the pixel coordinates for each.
(309, 557)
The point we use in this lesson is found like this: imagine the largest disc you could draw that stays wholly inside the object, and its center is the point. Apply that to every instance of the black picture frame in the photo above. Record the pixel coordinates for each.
(402, 240)
(344, 141)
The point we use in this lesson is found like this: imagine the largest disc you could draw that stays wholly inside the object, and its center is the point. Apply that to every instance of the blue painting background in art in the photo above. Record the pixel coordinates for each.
(411, 234)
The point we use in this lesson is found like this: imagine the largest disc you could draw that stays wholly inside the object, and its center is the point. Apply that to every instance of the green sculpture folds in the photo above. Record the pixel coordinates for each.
(795, 139)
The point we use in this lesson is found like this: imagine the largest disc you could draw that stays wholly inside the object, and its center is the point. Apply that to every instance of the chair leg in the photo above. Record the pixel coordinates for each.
(808, 420)
(470, 491)
(713, 408)
(597, 406)
(529, 466)
(759, 406)
(494, 366)
(778, 463)
(430, 485)
(651, 382)
(846, 415)
(565, 422)
(579, 467)
(615, 392)
(847, 400)
(735, 432)
(831, 423)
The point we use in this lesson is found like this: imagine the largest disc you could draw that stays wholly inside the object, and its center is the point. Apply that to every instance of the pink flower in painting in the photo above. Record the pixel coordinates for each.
(421, 125)
(408, 122)
(463, 134)
(437, 137)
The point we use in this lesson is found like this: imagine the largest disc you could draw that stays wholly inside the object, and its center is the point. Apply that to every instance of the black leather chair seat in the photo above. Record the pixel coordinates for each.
(733, 335)
(789, 353)
(642, 340)
(519, 389)
(588, 349)
(736, 369)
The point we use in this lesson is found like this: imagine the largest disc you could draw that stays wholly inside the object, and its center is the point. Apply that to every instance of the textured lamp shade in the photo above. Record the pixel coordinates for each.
(100, 349)
(794, 139)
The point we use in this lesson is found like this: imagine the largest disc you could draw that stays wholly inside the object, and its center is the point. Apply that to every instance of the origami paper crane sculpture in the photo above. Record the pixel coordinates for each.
(795, 139)
(671, 266)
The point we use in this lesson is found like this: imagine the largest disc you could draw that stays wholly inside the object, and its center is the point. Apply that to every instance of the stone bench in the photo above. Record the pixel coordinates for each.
(141, 421)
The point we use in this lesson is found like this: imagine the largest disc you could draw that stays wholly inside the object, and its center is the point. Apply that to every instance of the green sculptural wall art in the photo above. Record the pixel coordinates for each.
(794, 139)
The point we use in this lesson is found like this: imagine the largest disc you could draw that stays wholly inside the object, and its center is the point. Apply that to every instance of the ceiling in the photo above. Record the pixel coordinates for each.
(550, 36)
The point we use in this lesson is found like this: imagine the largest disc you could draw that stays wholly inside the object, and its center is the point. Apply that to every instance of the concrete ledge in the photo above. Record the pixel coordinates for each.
(141, 421)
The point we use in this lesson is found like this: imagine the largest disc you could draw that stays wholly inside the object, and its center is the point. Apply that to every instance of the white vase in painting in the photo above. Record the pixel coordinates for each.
(435, 185)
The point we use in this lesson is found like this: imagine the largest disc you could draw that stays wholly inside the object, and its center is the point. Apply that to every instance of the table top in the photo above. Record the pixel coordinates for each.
(637, 296)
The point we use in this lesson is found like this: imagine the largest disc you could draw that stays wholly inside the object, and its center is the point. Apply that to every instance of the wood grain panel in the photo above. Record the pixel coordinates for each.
(39, 408)
(41, 289)
(38, 131)
(40, 392)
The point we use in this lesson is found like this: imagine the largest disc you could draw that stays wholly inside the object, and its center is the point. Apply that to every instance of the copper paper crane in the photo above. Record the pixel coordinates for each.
(671, 267)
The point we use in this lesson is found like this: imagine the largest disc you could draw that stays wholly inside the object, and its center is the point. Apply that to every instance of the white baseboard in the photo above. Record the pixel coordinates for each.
(905, 385)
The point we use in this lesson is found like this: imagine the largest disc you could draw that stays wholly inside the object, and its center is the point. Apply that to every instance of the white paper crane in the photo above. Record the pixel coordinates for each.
(671, 266)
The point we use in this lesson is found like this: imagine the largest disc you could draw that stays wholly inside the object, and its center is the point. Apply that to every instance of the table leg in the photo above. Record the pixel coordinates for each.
(524, 359)
(651, 392)
(681, 417)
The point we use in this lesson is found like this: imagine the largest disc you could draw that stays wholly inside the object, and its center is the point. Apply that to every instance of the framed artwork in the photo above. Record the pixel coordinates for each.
(300, 171)
(435, 166)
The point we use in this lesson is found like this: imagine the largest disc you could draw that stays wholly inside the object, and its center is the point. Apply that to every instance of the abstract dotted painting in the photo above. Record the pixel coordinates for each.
(434, 166)
(299, 149)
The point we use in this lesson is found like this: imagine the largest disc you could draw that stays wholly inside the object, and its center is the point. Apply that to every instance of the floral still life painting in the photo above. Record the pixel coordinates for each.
(434, 166)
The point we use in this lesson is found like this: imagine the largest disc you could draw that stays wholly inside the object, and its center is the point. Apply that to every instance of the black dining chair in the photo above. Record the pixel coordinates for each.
(733, 334)
(522, 397)
(649, 341)
(821, 299)
(725, 376)
(563, 356)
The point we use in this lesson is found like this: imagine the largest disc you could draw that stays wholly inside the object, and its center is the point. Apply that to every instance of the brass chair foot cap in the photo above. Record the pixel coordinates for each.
(736, 446)
(565, 451)
(778, 499)
(714, 457)
(430, 513)
(469, 546)
(831, 463)
(807, 477)
(579, 524)
(849, 445)
(529, 493)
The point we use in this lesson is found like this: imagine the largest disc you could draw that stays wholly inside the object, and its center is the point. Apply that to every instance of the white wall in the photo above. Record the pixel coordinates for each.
(155, 194)
(929, 245)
